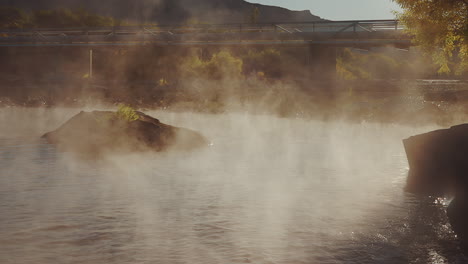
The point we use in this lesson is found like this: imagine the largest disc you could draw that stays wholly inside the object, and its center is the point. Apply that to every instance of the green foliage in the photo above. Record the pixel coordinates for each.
(351, 66)
(383, 64)
(126, 113)
(440, 27)
(163, 82)
(268, 61)
(343, 72)
(193, 66)
(224, 64)
(264, 63)
(12, 18)
(221, 65)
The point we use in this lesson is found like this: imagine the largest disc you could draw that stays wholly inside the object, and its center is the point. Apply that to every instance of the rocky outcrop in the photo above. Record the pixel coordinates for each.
(173, 11)
(438, 163)
(101, 132)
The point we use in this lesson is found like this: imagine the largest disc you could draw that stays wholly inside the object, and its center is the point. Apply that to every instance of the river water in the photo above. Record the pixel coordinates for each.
(266, 190)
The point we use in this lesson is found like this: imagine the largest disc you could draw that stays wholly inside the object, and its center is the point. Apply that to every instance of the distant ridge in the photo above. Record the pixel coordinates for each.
(173, 11)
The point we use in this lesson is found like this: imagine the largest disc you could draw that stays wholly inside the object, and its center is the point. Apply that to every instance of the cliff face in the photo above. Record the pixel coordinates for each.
(173, 11)
(239, 10)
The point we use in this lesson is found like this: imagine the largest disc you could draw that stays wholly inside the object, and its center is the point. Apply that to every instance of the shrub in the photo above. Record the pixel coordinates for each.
(126, 113)
(268, 61)
(221, 65)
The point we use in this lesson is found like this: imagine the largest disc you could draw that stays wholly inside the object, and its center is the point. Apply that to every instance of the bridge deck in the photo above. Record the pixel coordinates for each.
(330, 33)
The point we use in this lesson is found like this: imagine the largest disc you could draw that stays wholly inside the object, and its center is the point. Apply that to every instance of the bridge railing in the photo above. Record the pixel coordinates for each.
(344, 26)
(289, 27)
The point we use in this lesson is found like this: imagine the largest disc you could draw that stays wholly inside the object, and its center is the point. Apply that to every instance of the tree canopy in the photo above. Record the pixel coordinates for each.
(440, 28)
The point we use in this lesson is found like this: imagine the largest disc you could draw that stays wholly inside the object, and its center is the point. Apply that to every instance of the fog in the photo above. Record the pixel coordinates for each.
(303, 164)
(296, 170)
(266, 190)
(255, 80)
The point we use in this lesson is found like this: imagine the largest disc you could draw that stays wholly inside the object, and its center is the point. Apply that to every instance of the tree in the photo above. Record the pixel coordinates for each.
(440, 28)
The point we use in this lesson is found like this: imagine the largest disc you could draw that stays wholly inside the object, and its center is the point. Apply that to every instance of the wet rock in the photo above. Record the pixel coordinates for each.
(438, 163)
(99, 132)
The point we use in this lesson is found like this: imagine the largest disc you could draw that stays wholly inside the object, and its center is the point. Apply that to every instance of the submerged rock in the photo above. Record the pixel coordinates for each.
(438, 163)
(98, 132)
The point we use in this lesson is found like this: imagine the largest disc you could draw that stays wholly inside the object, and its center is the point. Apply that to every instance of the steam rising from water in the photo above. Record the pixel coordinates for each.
(268, 190)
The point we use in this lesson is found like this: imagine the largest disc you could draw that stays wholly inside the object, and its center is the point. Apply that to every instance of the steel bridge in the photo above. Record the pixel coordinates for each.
(321, 39)
(365, 33)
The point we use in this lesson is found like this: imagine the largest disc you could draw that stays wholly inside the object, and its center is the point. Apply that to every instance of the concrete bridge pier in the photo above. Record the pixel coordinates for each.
(321, 62)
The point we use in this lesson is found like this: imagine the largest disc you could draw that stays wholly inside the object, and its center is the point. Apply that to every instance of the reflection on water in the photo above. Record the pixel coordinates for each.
(267, 190)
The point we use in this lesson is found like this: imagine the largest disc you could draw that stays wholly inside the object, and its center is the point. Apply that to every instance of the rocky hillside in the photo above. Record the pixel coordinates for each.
(173, 11)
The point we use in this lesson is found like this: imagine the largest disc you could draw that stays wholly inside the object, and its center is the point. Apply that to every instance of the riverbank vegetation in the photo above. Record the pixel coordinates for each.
(448, 51)
(210, 79)
(385, 63)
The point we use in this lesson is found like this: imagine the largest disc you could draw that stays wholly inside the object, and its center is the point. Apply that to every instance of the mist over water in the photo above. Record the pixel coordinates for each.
(266, 190)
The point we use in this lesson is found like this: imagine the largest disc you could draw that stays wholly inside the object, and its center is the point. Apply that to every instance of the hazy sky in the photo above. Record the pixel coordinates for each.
(340, 9)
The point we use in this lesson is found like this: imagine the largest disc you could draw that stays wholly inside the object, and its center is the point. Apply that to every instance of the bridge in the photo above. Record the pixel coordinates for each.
(330, 33)
(323, 37)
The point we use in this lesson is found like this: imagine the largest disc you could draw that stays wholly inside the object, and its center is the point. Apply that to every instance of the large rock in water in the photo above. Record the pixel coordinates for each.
(100, 132)
(438, 163)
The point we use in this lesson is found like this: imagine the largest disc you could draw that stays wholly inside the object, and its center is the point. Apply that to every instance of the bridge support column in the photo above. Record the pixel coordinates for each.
(321, 62)
(90, 64)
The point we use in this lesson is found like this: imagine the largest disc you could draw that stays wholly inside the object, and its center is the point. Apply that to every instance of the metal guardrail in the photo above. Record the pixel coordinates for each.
(324, 31)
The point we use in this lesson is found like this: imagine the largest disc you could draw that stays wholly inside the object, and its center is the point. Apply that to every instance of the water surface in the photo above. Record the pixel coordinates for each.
(267, 190)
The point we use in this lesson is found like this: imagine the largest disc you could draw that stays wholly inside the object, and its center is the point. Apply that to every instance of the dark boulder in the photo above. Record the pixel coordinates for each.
(438, 163)
(99, 132)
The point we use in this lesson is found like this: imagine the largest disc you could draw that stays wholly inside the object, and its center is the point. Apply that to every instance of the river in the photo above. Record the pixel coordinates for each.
(266, 190)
